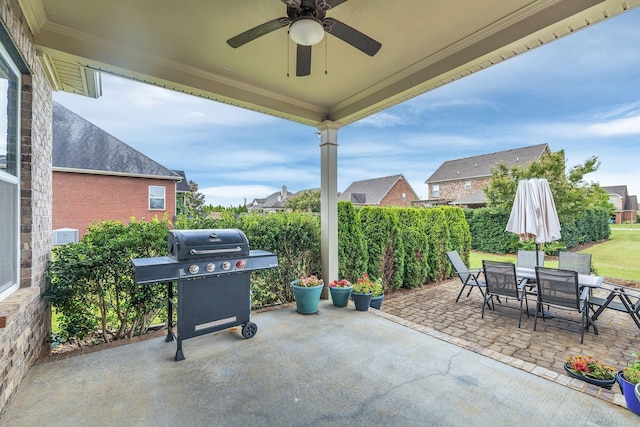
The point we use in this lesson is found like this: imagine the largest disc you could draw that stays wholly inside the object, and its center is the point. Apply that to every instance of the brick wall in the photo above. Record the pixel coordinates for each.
(453, 190)
(394, 196)
(28, 320)
(79, 199)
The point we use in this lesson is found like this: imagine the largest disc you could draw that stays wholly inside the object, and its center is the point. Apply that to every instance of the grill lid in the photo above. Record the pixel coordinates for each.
(211, 243)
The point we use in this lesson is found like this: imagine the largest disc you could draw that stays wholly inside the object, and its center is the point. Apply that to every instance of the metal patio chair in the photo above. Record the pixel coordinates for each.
(527, 259)
(468, 277)
(501, 281)
(581, 263)
(560, 289)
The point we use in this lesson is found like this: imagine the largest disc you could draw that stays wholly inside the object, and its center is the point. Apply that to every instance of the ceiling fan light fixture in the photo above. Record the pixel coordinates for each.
(306, 31)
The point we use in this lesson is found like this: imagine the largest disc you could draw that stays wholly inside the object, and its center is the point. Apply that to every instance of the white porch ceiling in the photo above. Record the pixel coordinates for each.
(182, 46)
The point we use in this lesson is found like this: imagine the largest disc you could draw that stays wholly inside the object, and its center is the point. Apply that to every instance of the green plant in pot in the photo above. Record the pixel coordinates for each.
(377, 294)
(362, 292)
(628, 378)
(307, 291)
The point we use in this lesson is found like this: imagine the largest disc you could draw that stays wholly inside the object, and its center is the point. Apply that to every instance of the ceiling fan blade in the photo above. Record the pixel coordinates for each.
(335, 3)
(303, 61)
(258, 31)
(352, 36)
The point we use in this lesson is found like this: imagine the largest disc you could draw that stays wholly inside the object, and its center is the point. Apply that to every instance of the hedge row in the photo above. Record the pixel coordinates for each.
(488, 230)
(93, 284)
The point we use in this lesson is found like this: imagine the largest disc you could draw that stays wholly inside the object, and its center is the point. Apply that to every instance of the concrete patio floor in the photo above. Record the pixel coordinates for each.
(337, 367)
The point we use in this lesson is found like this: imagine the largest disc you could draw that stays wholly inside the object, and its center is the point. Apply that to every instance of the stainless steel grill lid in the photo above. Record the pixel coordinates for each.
(210, 243)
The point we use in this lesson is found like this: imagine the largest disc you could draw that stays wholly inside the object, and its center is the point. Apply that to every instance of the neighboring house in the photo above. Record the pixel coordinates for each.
(626, 205)
(386, 191)
(182, 188)
(98, 177)
(272, 203)
(461, 181)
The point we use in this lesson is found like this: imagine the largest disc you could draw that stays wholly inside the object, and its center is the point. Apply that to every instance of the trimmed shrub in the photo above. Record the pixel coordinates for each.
(438, 235)
(416, 247)
(352, 249)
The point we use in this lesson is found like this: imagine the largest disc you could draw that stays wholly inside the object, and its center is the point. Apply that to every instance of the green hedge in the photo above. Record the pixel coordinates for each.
(93, 284)
(488, 226)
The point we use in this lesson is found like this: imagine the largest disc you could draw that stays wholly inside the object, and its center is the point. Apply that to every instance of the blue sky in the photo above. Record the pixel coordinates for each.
(580, 93)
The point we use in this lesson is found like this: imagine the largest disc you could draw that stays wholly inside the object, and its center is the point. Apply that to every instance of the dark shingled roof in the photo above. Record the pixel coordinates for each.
(182, 186)
(369, 191)
(78, 144)
(480, 166)
(620, 190)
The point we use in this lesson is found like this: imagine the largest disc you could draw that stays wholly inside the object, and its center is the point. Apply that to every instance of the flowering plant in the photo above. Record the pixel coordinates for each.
(364, 285)
(589, 367)
(378, 289)
(310, 281)
(632, 372)
(340, 284)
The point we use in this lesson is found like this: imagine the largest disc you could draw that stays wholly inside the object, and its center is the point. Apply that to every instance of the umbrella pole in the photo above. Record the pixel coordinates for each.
(537, 257)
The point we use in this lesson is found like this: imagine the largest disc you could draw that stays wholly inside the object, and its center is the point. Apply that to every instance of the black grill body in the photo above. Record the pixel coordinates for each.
(213, 269)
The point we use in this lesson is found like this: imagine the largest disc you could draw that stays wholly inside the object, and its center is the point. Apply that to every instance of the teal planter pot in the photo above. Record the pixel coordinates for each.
(340, 296)
(307, 299)
(361, 301)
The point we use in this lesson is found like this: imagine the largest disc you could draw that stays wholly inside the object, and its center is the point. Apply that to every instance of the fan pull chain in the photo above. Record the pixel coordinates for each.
(288, 53)
(326, 56)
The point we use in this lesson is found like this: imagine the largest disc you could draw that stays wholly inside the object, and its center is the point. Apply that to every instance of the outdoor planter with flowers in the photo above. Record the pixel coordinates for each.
(377, 294)
(362, 292)
(628, 379)
(306, 292)
(340, 292)
(591, 370)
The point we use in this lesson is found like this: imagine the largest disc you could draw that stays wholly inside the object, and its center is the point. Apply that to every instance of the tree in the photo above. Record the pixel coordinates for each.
(308, 200)
(571, 193)
(193, 201)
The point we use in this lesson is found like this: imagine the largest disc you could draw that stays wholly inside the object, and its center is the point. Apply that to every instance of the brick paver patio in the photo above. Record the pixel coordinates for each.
(548, 347)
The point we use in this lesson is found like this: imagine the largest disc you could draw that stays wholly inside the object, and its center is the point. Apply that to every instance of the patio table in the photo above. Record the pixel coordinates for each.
(584, 280)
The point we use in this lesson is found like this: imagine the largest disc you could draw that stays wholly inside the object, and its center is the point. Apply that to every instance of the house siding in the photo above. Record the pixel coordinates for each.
(27, 325)
(80, 199)
(453, 190)
(394, 196)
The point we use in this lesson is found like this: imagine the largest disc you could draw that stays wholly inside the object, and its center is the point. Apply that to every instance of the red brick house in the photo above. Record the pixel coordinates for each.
(98, 177)
(386, 191)
(462, 181)
(626, 205)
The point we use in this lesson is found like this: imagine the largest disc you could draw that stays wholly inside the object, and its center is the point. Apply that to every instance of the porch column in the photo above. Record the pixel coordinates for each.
(329, 202)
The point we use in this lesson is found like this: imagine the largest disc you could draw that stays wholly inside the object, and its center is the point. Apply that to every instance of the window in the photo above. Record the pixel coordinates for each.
(404, 197)
(435, 190)
(156, 198)
(9, 176)
(467, 185)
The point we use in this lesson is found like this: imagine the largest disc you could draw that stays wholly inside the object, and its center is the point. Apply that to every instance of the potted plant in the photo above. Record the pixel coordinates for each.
(306, 292)
(591, 370)
(362, 292)
(377, 294)
(340, 292)
(628, 379)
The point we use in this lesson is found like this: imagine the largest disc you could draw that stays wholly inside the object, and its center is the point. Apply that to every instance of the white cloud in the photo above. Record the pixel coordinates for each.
(627, 126)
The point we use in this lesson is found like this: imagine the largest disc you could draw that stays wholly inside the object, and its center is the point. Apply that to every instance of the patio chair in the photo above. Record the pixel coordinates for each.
(560, 289)
(468, 277)
(501, 281)
(527, 259)
(581, 263)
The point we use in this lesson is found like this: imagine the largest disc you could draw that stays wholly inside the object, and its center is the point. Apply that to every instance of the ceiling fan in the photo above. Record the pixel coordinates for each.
(307, 23)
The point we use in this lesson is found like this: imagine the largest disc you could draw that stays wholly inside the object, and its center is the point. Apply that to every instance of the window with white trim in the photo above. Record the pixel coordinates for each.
(435, 190)
(467, 185)
(9, 174)
(156, 198)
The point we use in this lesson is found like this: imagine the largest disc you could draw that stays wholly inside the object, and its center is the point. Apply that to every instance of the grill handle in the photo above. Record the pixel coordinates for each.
(214, 251)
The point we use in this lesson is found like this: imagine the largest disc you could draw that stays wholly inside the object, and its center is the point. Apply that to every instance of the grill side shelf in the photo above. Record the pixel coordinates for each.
(154, 270)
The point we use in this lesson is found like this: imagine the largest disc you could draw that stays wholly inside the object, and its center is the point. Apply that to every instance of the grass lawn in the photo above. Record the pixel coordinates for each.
(617, 258)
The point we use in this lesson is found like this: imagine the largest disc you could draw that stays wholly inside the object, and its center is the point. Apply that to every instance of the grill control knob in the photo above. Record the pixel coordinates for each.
(226, 265)
(210, 267)
(193, 268)
(240, 264)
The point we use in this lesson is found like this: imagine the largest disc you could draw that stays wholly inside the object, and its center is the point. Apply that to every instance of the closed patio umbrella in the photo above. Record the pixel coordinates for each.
(534, 215)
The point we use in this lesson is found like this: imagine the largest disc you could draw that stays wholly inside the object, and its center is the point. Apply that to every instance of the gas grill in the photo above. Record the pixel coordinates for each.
(212, 268)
